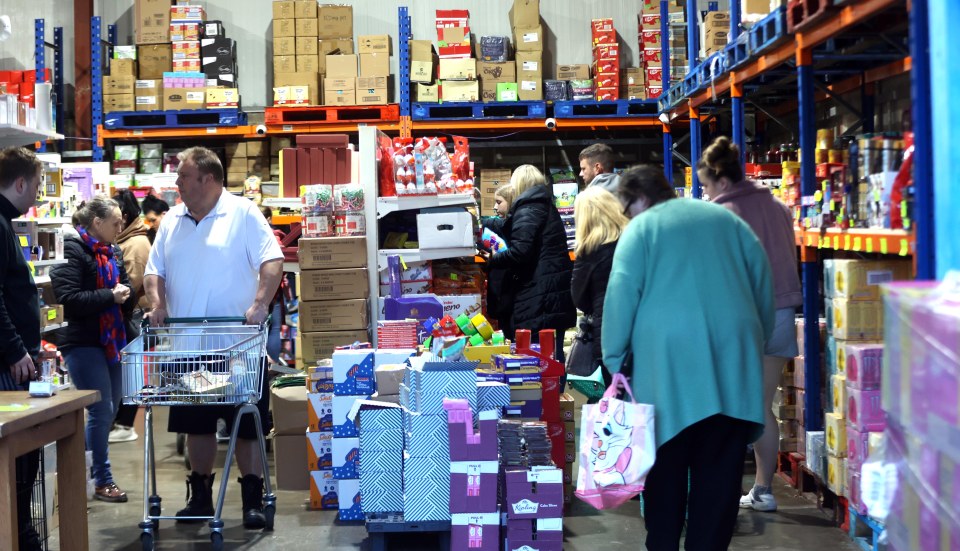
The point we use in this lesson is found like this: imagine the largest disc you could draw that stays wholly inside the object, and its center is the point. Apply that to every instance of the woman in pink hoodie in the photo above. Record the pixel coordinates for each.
(721, 174)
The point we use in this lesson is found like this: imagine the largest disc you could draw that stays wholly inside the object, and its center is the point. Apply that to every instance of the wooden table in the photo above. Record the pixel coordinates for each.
(56, 419)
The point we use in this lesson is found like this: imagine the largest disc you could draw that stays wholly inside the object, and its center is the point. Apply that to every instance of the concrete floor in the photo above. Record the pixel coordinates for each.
(798, 525)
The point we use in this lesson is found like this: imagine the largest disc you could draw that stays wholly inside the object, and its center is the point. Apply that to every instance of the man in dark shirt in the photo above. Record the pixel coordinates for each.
(20, 173)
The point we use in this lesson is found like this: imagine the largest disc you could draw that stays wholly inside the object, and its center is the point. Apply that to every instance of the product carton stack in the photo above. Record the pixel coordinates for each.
(245, 159)
(319, 438)
(569, 446)
(353, 380)
(855, 326)
(651, 43)
(490, 180)
(714, 32)
(579, 83)
(372, 82)
(456, 68)
(534, 508)
(528, 42)
(381, 458)
(496, 69)
(606, 60)
(423, 64)
(290, 420)
(633, 83)
(119, 87)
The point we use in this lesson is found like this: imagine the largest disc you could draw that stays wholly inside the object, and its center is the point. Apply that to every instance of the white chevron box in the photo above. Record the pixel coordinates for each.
(426, 499)
(381, 492)
(380, 461)
(492, 395)
(381, 419)
(426, 467)
(376, 440)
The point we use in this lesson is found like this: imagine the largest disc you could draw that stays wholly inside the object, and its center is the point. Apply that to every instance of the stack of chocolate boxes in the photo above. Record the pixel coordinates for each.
(534, 509)
(381, 459)
(474, 470)
(457, 68)
(864, 414)
(323, 487)
(606, 60)
(353, 380)
(651, 43)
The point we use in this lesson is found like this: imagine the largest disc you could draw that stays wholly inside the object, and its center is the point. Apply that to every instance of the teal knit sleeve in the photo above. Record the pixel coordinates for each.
(623, 297)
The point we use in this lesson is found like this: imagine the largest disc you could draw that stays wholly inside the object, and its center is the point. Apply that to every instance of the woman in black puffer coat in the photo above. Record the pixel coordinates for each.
(537, 260)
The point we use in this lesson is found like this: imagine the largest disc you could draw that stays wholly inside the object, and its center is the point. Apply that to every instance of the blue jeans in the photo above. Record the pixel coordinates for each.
(90, 370)
(273, 331)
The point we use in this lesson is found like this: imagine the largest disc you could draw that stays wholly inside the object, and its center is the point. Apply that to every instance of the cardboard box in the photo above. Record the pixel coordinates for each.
(373, 44)
(310, 80)
(288, 457)
(318, 346)
(186, 49)
(329, 253)
(284, 28)
(148, 87)
(374, 65)
(446, 229)
(285, 64)
(334, 315)
(119, 84)
(573, 72)
(530, 75)
(529, 39)
(149, 103)
(340, 91)
(428, 93)
(460, 90)
(632, 76)
(154, 60)
(184, 98)
(488, 90)
(307, 45)
(284, 9)
(421, 61)
(284, 46)
(289, 407)
(335, 21)
(323, 491)
(458, 69)
(342, 66)
(493, 72)
(119, 102)
(306, 27)
(119, 67)
(222, 98)
(372, 90)
(524, 13)
(152, 21)
(186, 66)
(490, 179)
(307, 64)
(338, 284)
(508, 91)
(319, 450)
(305, 9)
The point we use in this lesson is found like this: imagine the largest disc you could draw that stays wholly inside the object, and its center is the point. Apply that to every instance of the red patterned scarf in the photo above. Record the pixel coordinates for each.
(113, 335)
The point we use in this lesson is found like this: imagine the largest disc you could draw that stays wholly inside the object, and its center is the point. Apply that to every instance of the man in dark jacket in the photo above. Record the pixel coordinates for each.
(20, 173)
(537, 259)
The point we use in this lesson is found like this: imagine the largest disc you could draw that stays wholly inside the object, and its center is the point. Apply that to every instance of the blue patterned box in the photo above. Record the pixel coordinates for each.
(346, 458)
(386, 418)
(343, 426)
(425, 498)
(380, 461)
(439, 382)
(492, 396)
(381, 440)
(348, 496)
(426, 435)
(381, 492)
(428, 467)
(353, 372)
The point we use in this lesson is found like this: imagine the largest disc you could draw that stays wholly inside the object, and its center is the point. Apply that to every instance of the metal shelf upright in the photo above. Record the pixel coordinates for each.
(96, 79)
(40, 59)
(923, 159)
(404, 48)
(693, 51)
(736, 90)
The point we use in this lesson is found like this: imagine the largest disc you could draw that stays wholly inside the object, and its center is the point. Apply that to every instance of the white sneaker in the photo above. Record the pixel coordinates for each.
(764, 503)
(122, 434)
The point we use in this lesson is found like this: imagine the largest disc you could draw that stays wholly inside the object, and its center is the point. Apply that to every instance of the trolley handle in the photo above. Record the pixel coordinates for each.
(205, 320)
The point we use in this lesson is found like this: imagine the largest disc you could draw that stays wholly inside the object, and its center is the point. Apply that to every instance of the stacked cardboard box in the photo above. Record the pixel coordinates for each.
(528, 41)
(318, 439)
(715, 32)
(372, 82)
(289, 408)
(474, 470)
(498, 77)
(606, 60)
(423, 63)
(353, 380)
(119, 92)
(490, 179)
(633, 83)
(244, 159)
(651, 42)
(457, 68)
(316, 159)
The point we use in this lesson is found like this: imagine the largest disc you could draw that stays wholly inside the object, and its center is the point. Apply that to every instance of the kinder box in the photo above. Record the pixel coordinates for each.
(838, 393)
(836, 435)
(858, 446)
(343, 426)
(319, 451)
(346, 458)
(475, 531)
(864, 410)
(864, 366)
(534, 493)
(861, 279)
(857, 320)
(323, 490)
(348, 499)
(353, 372)
(319, 411)
(473, 486)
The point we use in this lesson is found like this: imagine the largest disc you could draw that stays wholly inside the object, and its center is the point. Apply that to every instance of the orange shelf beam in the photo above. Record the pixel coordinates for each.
(536, 124)
(285, 219)
(893, 242)
(246, 131)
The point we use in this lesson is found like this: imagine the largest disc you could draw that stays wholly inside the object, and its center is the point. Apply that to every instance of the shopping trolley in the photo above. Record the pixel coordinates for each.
(196, 362)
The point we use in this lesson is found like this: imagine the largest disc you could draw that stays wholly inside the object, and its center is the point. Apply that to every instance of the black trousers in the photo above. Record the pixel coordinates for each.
(712, 451)
(27, 467)
(126, 415)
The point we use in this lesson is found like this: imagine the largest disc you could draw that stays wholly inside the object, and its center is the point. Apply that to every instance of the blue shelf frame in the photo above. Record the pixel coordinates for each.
(923, 163)
(96, 78)
(40, 46)
(405, 34)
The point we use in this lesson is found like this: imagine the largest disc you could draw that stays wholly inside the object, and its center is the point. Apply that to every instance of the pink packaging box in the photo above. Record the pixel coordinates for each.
(864, 410)
(475, 532)
(466, 445)
(864, 366)
(534, 493)
(473, 486)
(858, 446)
(542, 533)
(853, 491)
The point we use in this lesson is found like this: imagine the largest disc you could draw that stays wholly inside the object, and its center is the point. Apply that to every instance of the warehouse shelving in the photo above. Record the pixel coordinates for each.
(12, 135)
(386, 205)
(417, 255)
(40, 58)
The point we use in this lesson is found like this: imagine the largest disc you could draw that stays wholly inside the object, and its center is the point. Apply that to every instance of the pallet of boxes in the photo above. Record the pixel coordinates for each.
(303, 34)
(715, 31)
(457, 68)
(528, 39)
(651, 45)
(244, 160)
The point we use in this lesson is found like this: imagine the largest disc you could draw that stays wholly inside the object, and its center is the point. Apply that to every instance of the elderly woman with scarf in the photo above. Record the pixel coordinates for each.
(95, 293)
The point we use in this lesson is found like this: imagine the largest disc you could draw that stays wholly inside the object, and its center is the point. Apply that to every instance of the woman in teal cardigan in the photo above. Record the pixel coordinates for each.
(689, 306)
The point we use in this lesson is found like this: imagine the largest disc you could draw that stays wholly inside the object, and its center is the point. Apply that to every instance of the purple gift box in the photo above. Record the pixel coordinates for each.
(510, 362)
(475, 531)
(534, 493)
(864, 366)
(466, 445)
(522, 378)
(864, 410)
(530, 409)
(858, 447)
(473, 486)
(538, 530)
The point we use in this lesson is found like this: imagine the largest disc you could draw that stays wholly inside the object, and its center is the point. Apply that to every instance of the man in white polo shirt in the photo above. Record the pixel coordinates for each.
(214, 256)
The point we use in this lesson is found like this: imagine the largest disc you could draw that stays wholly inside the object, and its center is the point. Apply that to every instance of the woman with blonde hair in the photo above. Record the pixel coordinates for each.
(600, 221)
(537, 263)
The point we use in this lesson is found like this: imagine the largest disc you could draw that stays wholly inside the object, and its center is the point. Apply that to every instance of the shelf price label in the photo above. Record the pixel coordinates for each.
(869, 244)
(856, 243)
(836, 242)
(904, 247)
(288, 128)
(884, 246)
(211, 130)
(138, 132)
(846, 242)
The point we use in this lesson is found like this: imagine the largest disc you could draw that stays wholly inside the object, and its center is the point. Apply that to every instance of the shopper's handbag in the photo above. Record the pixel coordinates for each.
(580, 360)
(617, 448)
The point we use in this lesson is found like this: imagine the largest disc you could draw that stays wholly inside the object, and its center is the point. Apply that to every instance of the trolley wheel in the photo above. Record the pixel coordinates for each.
(181, 443)
(155, 512)
(216, 541)
(269, 511)
(146, 541)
